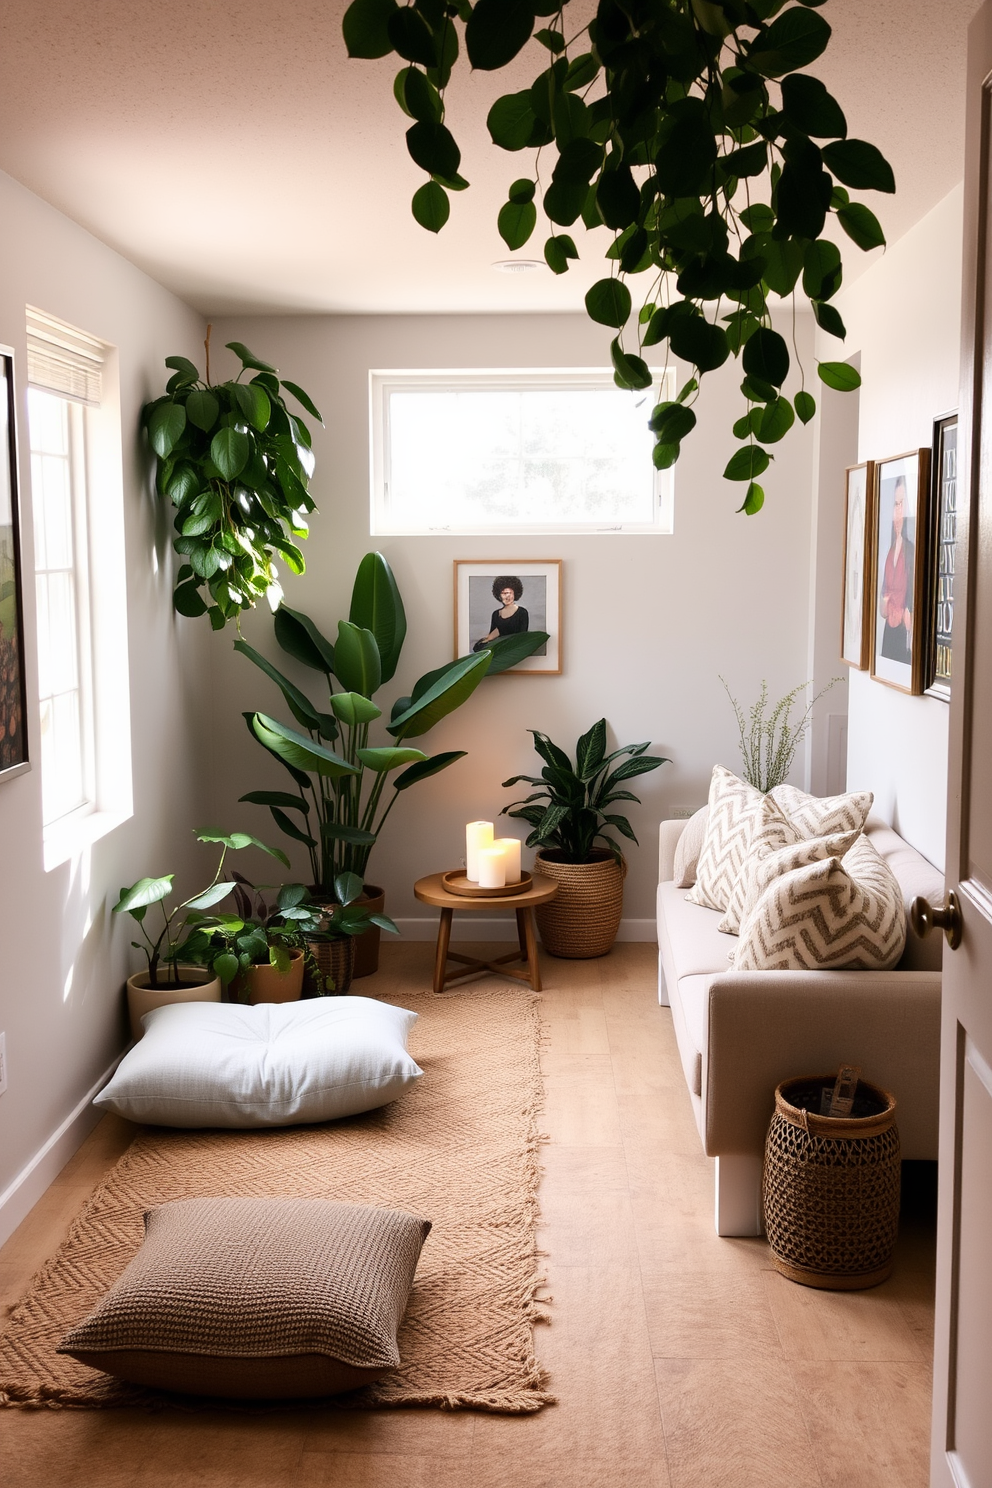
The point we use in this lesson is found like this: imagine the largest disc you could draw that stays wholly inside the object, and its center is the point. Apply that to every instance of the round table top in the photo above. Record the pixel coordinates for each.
(432, 891)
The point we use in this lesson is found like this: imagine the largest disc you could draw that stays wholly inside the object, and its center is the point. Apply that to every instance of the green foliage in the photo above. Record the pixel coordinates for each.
(662, 124)
(768, 737)
(568, 812)
(235, 462)
(176, 940)
(340, 779)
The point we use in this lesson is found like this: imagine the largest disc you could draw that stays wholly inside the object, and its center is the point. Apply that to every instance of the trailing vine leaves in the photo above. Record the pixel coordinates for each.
(236, 463)
(686, 128)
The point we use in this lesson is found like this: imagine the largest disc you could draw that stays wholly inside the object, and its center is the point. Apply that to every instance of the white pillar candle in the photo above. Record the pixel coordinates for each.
(511, 857)
(477, 834)
(492, 867)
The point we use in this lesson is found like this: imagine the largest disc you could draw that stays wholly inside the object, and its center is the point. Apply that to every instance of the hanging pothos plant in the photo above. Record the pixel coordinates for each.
(685, 129)
(236, 463)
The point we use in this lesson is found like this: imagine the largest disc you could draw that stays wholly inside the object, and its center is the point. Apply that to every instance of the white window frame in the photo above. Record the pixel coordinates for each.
(382, 383)
(100, 582)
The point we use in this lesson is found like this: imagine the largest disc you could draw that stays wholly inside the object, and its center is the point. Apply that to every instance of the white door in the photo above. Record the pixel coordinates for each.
(962, 1421)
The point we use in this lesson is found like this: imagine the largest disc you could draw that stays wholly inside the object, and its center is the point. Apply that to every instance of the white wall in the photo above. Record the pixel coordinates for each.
(649, 621)
(904, 316)
(64, 960)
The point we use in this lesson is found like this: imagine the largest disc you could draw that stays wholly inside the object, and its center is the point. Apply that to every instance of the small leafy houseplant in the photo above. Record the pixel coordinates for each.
(235, 462)
(687, 131)
(180, 929)
(572, 816)
(336, 810)
(569, 816)
(768, 737)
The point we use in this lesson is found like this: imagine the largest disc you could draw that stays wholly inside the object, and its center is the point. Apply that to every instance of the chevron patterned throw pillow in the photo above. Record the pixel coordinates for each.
(815, 816)
(830, 915)
(759, 872)
(734, 806)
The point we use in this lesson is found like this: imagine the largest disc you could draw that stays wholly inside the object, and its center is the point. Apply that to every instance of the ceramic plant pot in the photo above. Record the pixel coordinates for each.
(267, 983)
(583, 918)
(197, 985)
(367, 946)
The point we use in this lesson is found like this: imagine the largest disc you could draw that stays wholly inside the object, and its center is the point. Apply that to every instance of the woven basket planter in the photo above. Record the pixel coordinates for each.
(831, 1187)
(583, 918)
(334, 958)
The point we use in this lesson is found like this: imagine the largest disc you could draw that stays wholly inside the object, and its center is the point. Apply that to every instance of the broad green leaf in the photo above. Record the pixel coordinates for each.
(805, 406)
(839, 376)
(859, 164)
(303, 398)
(590, 750)
(347, 888)
(794, 40)
(809, 107)
(664, 456)
(608, 302)
(696, 340)
(365, 28)
(506, 651)
(511, 121)
(237, 841)
(570, 119)
(211, 896)
(447, 694)
(516, 222)
(187, 600)
(766, 356)
(775, 421)
(299, 637)
(357, 664)
(631, 372)
(430, 206)
(381, 760)
(558, 250)
(496, 31)
(746, 463)
(425, 768)
(299, 777)
(202, 409)
(187, 369)
(417, 95)
(229, 450)
(581, 71)
(352, 708)
(684, 164)
(227, 966)
(297, 750)
(303, 710)
(165, 428)
(248, 358)
(862, 226)
(822, 270)
(341, 832)
(672, 422)
(277, 798)
(411, 36)
(828, 318)
(254, 404)
(432, 146)
(146, 891)
(290, 828)
(753, 501)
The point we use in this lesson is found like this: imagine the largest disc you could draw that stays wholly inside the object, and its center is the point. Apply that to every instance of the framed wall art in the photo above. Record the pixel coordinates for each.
(857, 606)
(900, 511)
(941, 555)
(13, 707)
(504, 596)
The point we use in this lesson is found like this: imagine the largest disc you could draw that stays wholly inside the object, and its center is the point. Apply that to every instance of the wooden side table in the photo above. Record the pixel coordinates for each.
(432, 891)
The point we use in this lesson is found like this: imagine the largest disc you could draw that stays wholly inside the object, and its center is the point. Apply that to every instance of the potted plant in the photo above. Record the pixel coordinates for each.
(583, 918)
(236, 464)
(331, 949)
(171, 974)
(259, 951)
(336, 809)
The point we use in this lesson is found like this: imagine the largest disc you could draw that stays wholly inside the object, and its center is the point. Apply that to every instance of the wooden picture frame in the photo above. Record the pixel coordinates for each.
(900, 517)
(477, 606)
(857, 605)
(941, 556)
(13, 696)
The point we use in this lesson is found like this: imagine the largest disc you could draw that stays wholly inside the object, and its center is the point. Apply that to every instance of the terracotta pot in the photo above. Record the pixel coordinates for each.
(583, 918)
(267, 983)
(335, 958)
(197, 985)
(367, 945)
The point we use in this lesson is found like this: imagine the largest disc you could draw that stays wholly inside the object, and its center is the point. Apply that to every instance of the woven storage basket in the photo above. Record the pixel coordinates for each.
(831, 1187)
(583, 918)
(335, 958)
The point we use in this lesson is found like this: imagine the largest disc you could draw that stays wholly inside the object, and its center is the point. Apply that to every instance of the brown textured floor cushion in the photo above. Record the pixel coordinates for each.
(257, 1299)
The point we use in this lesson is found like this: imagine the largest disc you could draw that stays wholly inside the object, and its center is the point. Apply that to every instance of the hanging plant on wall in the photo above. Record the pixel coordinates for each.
(684, 128)
(236, 463)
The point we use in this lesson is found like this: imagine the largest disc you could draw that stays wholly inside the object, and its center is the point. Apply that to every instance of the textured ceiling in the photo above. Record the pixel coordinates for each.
(235, 153)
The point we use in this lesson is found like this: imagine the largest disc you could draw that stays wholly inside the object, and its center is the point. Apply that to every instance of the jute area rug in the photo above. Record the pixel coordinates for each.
(460, 1149)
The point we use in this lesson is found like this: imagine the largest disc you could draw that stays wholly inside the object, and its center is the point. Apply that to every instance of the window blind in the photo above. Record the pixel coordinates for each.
(62, 359)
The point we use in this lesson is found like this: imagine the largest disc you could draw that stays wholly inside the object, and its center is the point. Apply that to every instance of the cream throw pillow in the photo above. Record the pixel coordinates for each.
(816, 816)
(758, 873)
(772, 830)
(733, 809)
(830, 915)
(688, 848)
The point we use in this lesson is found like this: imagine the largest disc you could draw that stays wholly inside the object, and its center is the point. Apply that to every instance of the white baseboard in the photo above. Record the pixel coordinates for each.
(21, 1195)
(499, 928)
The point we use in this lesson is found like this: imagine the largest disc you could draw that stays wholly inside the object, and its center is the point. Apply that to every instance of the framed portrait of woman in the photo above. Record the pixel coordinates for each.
(856, 601)
(900, 514)
(505, 596)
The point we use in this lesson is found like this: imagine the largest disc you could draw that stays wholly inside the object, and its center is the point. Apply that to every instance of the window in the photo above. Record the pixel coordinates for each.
(514, 452)
(74, 439)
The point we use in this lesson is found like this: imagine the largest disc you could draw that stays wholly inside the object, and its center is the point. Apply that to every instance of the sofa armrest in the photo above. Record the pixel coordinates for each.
(765, 1027)
(668, 837)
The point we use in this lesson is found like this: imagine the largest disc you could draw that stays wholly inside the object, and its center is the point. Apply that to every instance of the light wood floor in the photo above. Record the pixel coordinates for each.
(679, 1358)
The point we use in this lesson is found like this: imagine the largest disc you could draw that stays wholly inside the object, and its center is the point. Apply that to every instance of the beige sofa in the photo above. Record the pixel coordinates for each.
(741, 1033)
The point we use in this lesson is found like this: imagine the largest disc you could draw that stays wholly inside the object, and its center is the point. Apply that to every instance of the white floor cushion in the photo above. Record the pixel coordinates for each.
(277, 1064)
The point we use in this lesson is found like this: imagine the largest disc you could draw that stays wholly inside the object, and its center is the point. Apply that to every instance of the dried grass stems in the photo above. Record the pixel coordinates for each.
(769, 743)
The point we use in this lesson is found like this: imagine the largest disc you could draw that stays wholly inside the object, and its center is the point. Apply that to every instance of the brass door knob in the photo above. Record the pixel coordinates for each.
(924, 917)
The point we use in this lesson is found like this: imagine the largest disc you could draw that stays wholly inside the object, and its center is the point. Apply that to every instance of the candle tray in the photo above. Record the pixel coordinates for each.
(456, 883)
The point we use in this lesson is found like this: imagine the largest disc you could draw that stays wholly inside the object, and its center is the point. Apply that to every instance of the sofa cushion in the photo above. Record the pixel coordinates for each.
(729, 826)
(828, 915)
(916, 875)
(257, 1298)
(689, 940)
(688, 848)
(817, 816)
